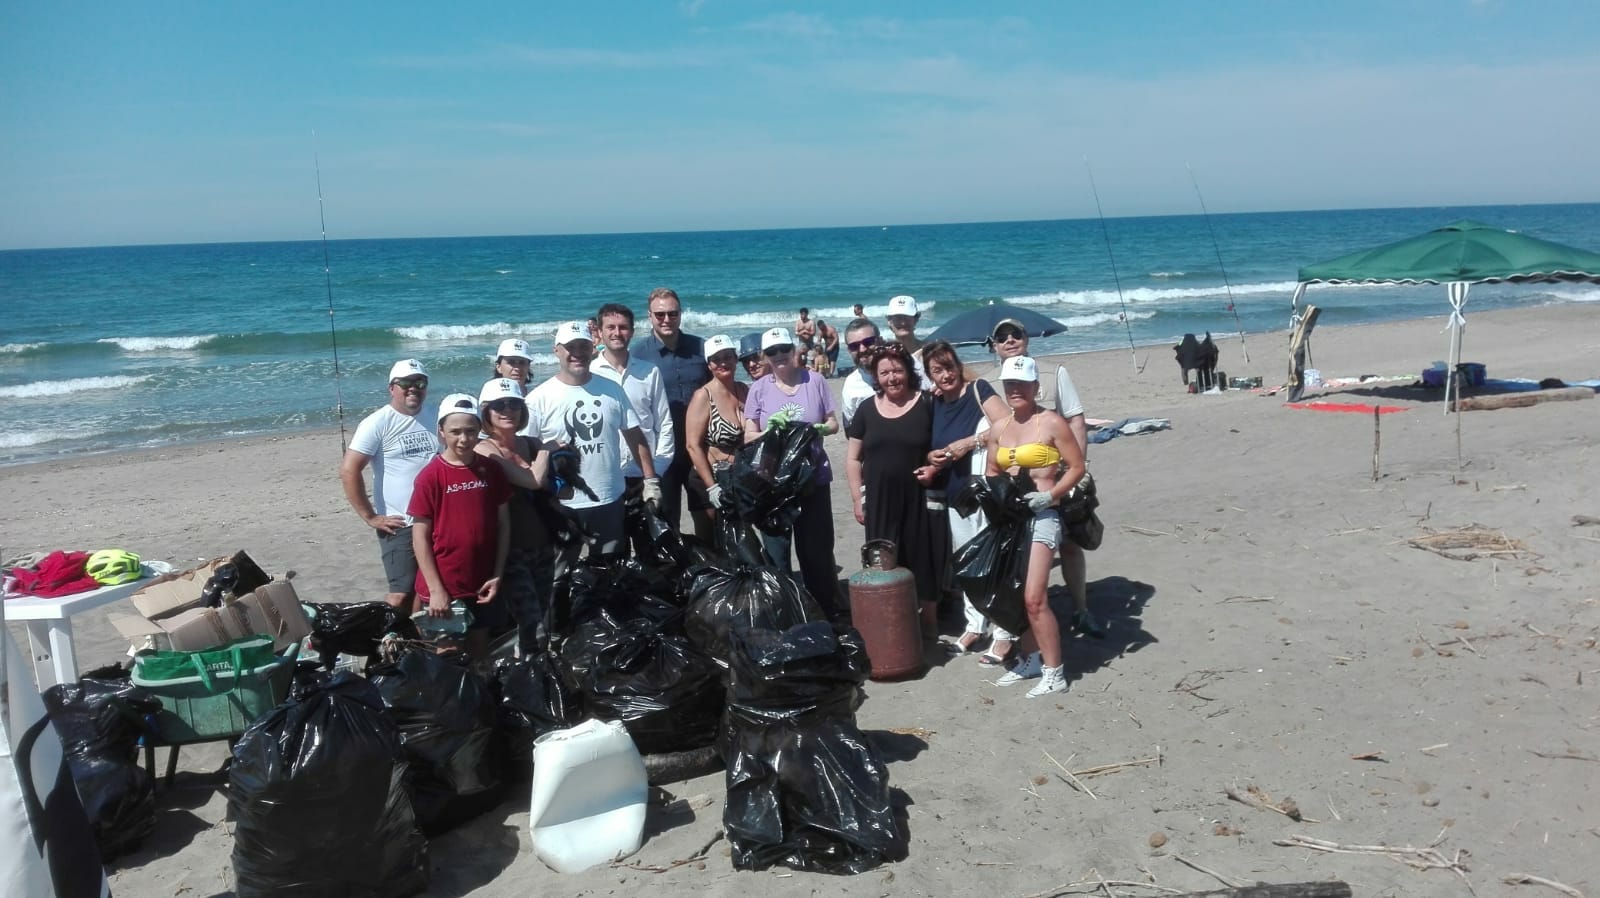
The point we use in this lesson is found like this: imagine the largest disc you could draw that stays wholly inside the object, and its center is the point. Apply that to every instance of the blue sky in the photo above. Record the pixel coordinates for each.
(162, 122)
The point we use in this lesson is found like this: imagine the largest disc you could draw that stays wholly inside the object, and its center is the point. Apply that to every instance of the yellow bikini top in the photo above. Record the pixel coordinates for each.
(1028, 455)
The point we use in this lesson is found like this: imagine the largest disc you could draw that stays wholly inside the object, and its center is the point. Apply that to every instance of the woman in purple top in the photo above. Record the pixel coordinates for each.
(792, 395)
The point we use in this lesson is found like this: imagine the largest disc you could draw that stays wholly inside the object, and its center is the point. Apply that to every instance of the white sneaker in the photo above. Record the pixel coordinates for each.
(1053, 680)
(1028, 668)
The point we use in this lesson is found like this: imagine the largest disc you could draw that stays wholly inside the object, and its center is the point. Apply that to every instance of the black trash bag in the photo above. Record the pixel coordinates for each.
(771, 475)
(318, 800)
(629, 660)
(723, 600)
(805, 787)
(534, 699)
(99, 722)
(356, 628)
(992, 566)
(446, 717)
(737, 542)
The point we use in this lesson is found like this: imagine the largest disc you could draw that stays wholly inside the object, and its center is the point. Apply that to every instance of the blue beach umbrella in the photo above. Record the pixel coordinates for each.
(976, 326)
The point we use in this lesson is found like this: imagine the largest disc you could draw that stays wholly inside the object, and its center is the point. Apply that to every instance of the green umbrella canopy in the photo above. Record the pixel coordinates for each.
(1466, 251)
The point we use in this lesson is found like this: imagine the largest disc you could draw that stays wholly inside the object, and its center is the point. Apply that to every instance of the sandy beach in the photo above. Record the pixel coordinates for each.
(1270, 626)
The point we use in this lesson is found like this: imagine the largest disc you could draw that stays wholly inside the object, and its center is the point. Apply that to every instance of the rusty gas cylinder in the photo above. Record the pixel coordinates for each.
(884, 608)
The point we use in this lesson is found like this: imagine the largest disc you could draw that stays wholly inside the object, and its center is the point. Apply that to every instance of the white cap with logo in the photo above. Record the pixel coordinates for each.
(513, 348)
(572, 332)
(458, 404)
(903, 305)
(720, 343)
(777, 336)
(1019, 367)
(406, 368)
(499, 388)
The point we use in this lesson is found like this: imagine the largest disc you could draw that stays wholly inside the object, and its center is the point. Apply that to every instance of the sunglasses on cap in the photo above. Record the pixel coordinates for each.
(410, 383)
(862, 343)
(775, 351)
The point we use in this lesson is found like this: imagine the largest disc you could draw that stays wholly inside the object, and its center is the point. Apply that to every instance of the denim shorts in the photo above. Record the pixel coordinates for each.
(1047, 527)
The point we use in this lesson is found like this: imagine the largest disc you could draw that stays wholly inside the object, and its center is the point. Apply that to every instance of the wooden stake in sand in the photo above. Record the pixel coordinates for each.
(1375, 429)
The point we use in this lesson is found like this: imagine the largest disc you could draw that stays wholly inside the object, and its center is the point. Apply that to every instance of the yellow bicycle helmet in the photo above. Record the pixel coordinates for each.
(113, 566)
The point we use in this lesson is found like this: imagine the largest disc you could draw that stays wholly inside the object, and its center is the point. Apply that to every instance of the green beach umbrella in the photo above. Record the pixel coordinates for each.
(1456, 255)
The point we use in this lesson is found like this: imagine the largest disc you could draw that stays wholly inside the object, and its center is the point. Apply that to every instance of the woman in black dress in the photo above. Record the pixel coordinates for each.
(888, 449)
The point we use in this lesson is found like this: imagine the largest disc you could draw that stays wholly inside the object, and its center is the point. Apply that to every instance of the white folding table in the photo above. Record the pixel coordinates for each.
(49, 623)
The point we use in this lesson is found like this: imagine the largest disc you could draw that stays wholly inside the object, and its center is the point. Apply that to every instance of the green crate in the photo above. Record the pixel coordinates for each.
(192, 711)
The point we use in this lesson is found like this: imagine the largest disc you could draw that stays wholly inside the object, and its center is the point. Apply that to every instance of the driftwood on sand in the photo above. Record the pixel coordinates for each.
(1522, 400)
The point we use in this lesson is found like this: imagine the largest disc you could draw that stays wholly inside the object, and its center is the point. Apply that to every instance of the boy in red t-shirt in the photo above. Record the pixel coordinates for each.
(461, 526)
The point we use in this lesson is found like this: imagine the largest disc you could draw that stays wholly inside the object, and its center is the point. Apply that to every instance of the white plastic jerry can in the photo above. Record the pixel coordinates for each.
(589, 796)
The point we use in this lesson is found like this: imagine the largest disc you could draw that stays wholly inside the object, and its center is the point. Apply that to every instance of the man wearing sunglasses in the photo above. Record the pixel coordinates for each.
(860, 336)
(397, 446)
(681, 358)
(1009, 339)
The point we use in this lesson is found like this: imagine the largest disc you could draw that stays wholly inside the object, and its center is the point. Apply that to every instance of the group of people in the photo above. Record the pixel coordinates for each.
(455, 497)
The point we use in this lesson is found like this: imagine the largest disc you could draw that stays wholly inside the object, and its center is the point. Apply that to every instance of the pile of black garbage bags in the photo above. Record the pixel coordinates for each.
(692, 648)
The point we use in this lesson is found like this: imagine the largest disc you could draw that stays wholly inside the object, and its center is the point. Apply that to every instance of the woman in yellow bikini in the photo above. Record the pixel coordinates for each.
(1037, 444)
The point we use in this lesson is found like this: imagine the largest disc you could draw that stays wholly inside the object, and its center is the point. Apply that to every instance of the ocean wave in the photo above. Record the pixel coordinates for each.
(498, 329)
(158, 344)
(19, 348)
(1148, 294)
(44, 388)
(1573, 293)
(1098, 318)
(705, 323)
(1167, 274)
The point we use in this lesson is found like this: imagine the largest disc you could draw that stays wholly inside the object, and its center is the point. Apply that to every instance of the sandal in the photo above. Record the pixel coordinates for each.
(992, 658)
(962, 645)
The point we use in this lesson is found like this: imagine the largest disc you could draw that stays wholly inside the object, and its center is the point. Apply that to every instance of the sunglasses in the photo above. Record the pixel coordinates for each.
(1007, 335)
(723, 359)
(775, 351)
(862, 343)
(419, 383)
(508, 406)
(664, 316)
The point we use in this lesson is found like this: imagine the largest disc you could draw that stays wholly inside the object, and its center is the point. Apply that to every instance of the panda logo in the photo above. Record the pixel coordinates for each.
(584, 420)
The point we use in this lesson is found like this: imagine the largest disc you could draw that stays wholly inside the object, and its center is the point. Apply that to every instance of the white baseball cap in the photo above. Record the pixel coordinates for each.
(406, 368)
(572, 332)
(1019, 367)
(719, 343)
(777, 336)
(513, 348)
(458, 404)
(903, 305)
(499, 388)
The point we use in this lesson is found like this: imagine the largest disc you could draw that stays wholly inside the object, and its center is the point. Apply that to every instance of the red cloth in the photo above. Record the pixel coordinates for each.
(1357, 407)
(463, 505)
(59, 574)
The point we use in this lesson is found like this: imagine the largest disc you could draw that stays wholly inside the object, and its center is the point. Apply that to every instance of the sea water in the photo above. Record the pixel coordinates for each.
(112, 348)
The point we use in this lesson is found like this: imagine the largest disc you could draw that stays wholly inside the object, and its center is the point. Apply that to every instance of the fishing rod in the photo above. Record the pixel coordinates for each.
(1137, 368)
(327, 275)
(1218, 250)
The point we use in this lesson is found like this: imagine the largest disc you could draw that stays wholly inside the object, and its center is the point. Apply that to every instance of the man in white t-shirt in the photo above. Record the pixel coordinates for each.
(592, 416)
(396, 445)
(1009, 338)
(860, 336)
(641, 381)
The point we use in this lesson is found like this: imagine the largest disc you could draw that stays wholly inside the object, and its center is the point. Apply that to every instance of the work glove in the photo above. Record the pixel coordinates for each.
(650, 492)
(778, 419)
(1039, 501)
(822, 428)
(715, 493)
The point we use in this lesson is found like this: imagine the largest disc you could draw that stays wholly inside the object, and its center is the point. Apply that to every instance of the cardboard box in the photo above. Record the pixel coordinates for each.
(275, 610)
(187, 631)
(180, 592)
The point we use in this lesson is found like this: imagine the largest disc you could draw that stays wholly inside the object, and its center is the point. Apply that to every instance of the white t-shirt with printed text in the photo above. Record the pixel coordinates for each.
(399, 446)
(590, 418)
